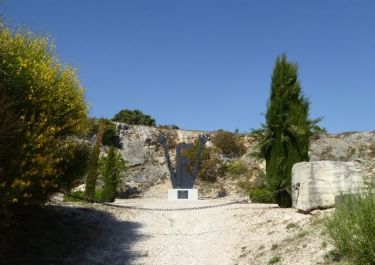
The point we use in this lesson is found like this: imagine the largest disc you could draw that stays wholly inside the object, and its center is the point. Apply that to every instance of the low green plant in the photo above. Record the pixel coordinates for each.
(291, 225)
(78, 196)
(237, 168)
(261, 195)
(351, 229)
(229, 144)
(274, 260)
(210, 166)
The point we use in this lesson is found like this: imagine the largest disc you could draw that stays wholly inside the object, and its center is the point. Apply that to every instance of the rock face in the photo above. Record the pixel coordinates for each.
(147, 164)
(145, 156)
(316, 184)
(343, 147)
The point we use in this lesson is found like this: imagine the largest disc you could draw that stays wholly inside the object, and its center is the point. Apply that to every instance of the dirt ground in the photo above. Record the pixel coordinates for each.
(93, 234)
(235, 234)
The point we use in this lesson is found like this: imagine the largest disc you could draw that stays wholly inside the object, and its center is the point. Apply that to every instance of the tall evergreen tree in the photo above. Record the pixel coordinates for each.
(286, 136)
(93, 164)
(114, 168)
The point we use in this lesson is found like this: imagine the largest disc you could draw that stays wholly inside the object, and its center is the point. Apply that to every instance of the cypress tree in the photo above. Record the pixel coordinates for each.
(93, 164)
(114, 167)
(286, 135)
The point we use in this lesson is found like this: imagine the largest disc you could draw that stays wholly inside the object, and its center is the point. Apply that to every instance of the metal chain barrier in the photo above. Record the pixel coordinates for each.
(156, 209)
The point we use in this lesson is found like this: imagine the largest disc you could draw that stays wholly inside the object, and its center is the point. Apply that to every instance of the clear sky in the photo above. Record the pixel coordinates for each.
(206, 64)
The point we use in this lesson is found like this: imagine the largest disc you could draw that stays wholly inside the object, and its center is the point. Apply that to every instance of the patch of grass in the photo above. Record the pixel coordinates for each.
(324, 244)
(261, 195)
(78, 196)
(291, 225)
(332, 255)
(302, 234)
(274, 260)
(237, 168)
(351, 229)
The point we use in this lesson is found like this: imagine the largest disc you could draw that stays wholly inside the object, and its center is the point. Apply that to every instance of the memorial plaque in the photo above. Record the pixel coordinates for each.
(182, 194)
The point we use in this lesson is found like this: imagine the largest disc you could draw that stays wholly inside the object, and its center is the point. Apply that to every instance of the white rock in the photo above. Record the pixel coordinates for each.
(316, 184)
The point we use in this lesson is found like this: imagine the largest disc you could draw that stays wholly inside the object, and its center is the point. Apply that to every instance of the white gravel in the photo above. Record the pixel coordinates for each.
(235, 234)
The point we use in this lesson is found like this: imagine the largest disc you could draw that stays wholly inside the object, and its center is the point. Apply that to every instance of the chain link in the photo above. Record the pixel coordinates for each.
(156, 209)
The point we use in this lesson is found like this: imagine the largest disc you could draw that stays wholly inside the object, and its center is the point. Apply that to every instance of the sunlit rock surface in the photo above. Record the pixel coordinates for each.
(316, 184)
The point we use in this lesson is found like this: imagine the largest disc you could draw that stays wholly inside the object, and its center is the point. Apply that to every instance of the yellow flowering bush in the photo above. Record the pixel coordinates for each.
(49, 108)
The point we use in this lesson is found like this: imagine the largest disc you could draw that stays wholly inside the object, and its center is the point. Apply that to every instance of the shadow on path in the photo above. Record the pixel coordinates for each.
(62, 235)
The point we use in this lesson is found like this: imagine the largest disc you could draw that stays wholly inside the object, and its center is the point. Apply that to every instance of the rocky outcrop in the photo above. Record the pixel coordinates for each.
(147, 164)
(343, 147)
(317, 184)
(145, 156)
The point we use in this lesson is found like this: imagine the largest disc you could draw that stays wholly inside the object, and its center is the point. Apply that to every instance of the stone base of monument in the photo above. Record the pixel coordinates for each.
(183, 194)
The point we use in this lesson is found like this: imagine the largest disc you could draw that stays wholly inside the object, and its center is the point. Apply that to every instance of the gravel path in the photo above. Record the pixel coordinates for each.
(235, 234)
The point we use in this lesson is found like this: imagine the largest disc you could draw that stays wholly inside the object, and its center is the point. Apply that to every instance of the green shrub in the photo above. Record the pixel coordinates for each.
(114, 167)
(229, 144)
(169, 127)
(110, 136)
(48, 101)
(351, 229)
(79, 196)
(134, 117)
(210, 167)
(237, 168)
(261, 195)
(75, 156)
(274, 260)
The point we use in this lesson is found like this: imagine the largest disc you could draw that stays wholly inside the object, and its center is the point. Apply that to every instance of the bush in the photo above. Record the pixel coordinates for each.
(48, 101)
(169, 127)
(110, 136)
(113, 170)
(229, 144)
(79, 196)
(75, 156)
(134, 117)
(210, 167)
(261, 195)
(9, 124)
(351, 229)
(237, 168)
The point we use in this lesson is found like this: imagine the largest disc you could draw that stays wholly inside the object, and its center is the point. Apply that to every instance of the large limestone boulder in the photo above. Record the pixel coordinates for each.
(316, 184)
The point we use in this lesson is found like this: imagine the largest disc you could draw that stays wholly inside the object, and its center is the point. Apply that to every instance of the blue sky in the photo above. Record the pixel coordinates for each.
(206, 64)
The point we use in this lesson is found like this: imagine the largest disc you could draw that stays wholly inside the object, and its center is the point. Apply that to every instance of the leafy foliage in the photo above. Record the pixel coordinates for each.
(285, 138)
(351, 228)
(210, 166)
(229, 144)
(48, 101)
(237, 168)
(9, 124)
(110, 136)
(261, 195)
(114, 168)
(172, 127)
(134, 117)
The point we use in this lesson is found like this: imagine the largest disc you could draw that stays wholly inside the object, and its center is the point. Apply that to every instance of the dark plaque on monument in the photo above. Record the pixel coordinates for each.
(182, 194)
